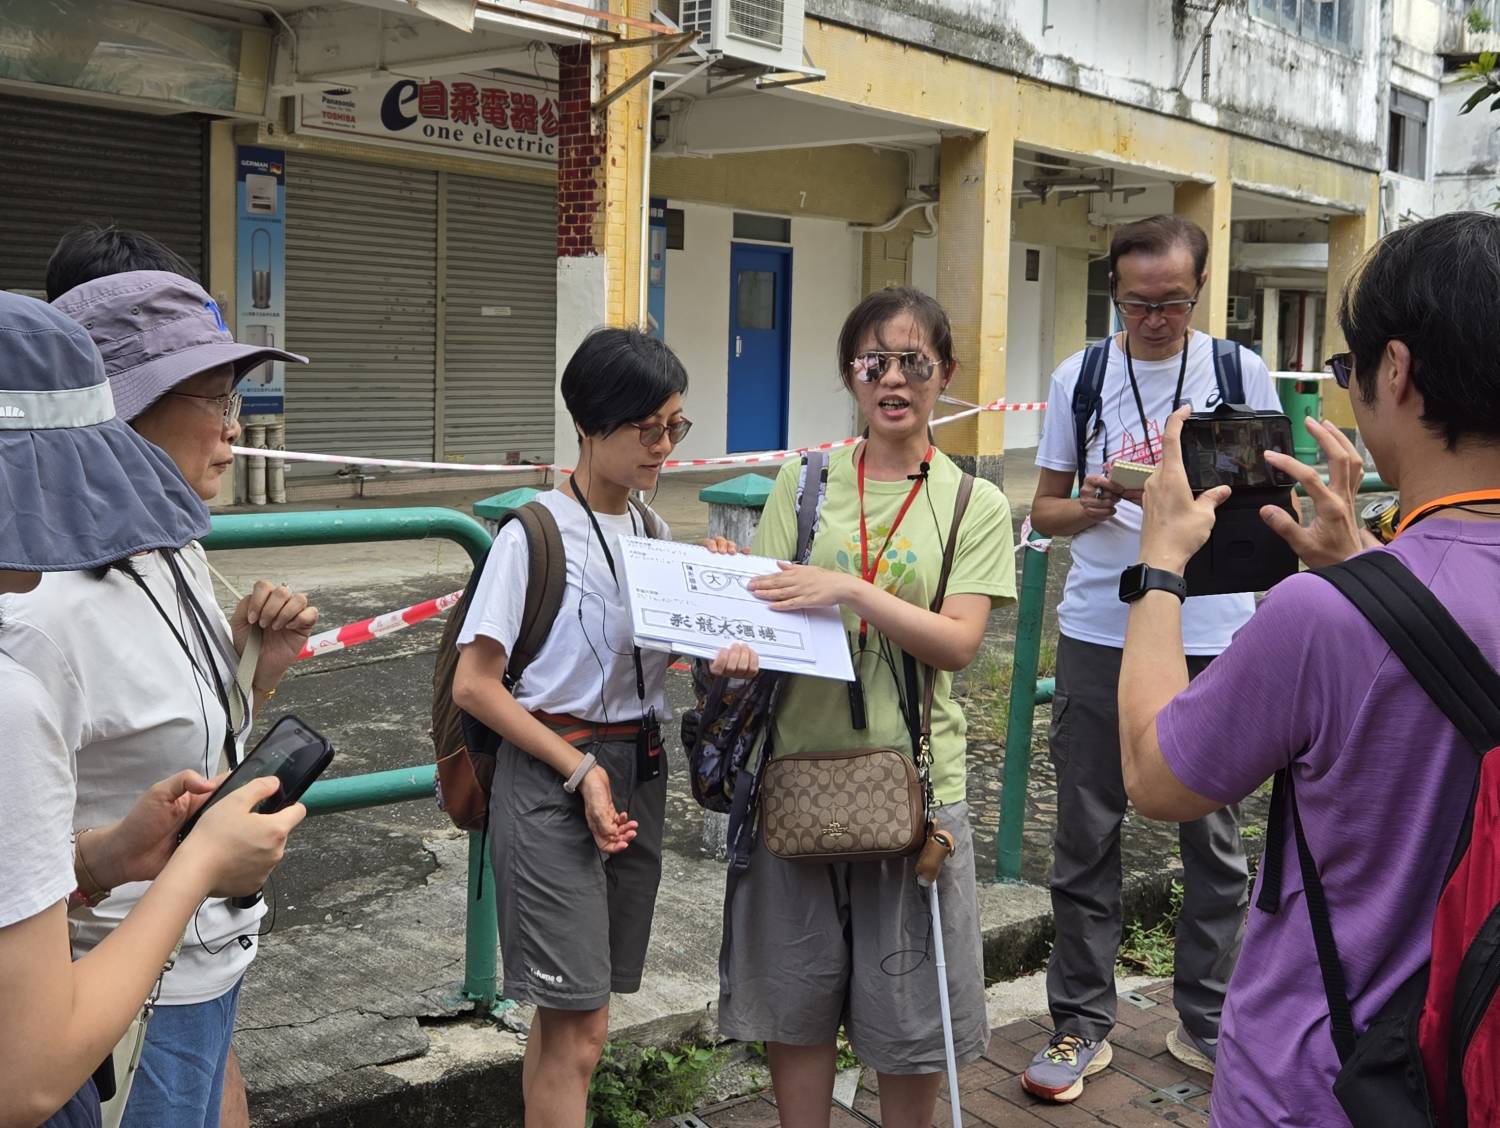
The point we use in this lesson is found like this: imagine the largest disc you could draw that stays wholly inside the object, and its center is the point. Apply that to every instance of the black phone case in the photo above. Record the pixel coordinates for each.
(1243, 554)
(296, 775)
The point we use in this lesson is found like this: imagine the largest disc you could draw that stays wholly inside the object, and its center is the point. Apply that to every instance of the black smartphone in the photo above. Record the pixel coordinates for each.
(1227, 448)
(291, 751)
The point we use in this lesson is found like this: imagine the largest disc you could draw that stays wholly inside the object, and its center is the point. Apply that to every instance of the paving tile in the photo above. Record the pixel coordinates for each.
(1111, 1089)
(1158, 1071)
(983, 1073)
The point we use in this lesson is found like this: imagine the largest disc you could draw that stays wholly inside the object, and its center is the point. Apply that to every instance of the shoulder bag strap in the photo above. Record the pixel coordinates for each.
(649, 521)
(811, 488)
(1451, 670)
(1229, 372)
(546, 576)
(1088, 399)
(950, 549)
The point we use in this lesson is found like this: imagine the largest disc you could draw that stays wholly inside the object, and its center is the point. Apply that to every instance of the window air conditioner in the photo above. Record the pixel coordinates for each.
(1241, 310)
(765, 33)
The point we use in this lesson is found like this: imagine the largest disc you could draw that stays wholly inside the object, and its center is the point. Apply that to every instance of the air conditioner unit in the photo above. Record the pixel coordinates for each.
(1241, 310)
(765, 33)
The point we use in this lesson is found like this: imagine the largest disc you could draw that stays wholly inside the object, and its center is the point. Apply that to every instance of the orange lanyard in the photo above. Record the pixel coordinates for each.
(867, 570)
(1448, 502)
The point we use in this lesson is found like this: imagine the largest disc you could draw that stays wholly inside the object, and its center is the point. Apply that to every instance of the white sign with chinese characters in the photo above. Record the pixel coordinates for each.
(687, 600)
(498, 118)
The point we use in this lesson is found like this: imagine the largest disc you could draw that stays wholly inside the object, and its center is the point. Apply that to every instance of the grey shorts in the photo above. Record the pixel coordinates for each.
(574, 923)
(808, 946)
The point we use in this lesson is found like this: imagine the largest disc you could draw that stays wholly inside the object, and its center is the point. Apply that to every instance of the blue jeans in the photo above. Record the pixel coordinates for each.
(82, 1111)
(181, 1077)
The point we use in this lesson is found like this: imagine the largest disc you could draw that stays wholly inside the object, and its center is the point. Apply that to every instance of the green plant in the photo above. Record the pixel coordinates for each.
(635, 1085)
(1484, 70)
(1479, 23)
(1255, 830)
(847, 1058)
(1149, 950)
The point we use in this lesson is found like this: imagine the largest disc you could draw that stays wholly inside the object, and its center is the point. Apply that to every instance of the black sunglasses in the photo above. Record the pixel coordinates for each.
(1342, 367)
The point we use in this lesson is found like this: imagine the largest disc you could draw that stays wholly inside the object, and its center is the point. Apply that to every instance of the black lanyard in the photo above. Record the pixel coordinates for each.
(1141, 407)
(196, 616)
(635, 651)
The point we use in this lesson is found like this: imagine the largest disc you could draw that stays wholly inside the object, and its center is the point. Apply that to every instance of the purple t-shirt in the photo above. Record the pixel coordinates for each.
(1383, 780)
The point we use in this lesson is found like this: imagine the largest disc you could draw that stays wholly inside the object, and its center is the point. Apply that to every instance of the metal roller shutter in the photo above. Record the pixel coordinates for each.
(68, 164)
(361, 303)
(499, 327)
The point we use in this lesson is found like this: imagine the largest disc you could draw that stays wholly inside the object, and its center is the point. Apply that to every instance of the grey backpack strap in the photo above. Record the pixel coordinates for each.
(814, 474)
(650, 522)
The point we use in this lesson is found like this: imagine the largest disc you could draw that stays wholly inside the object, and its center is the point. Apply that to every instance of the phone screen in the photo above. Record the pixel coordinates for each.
(1231, 452)
(291, 751)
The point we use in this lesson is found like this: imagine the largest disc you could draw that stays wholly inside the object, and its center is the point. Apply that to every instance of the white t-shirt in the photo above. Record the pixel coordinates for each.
(1091, 610)
(585, 668)
(143, 713)
(36, 797)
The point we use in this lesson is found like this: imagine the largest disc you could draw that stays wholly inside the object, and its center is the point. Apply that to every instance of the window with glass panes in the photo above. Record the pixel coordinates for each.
(1407, 138)
(1334, 22)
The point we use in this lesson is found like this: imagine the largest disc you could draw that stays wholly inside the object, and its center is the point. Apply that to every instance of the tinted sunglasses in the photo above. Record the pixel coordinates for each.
(1342, 367)
(651, 433)
(871, 366)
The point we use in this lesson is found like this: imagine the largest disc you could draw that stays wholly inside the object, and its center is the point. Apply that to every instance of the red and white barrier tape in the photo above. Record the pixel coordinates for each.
(326, 642)
(673, 464)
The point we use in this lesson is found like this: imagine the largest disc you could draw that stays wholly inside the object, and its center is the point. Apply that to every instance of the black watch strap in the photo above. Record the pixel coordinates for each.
(1138, 579)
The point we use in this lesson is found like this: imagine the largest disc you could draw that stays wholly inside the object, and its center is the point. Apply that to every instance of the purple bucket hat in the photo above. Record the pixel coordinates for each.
(155, 330)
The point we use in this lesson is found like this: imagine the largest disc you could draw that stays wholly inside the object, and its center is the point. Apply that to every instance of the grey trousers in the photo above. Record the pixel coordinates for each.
(1086, 879)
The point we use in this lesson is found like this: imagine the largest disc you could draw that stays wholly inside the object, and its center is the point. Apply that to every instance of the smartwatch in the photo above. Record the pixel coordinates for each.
(1138, 579)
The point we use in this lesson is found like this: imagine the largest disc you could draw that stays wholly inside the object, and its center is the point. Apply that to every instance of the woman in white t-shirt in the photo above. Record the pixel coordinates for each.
(81, 490)
(579, 791)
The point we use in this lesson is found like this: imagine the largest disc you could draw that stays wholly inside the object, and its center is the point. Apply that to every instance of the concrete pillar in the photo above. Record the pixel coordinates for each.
(886, 258)
(1208, 205)
(1070, 304)
(1270, 327)
(222, 240)
(973, 281)
(1349, 237)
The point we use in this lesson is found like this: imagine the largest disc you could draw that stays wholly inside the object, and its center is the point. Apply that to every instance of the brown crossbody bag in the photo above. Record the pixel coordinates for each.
(860, 804)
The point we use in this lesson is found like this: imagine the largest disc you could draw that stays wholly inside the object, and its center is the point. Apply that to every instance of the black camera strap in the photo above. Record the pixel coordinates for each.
(635, 651)
(1135, 388)
(211, 676)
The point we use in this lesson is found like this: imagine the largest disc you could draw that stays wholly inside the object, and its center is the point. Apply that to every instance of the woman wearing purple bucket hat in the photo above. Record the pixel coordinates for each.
(79, 490)
(183, 699)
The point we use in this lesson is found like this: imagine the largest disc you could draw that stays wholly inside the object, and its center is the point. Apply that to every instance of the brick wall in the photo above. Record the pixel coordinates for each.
(580, 156)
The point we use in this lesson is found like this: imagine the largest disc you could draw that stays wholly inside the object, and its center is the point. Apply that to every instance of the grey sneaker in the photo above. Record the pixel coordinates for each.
(1057, 1071)
(1193, 1051)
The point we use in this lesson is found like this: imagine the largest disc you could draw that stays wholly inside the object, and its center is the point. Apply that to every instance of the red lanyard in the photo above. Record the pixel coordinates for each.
(867, 570)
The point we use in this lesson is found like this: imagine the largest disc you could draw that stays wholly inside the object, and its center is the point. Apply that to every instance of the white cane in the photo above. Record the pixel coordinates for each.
(939, 848)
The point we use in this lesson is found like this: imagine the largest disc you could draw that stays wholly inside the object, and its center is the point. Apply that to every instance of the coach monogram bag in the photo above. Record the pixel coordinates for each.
(860, 804)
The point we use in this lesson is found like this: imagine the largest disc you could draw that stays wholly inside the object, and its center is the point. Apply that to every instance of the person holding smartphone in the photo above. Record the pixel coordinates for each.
(81, 490)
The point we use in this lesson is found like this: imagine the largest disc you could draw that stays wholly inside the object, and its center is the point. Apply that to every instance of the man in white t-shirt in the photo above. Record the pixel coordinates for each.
(1157, 272)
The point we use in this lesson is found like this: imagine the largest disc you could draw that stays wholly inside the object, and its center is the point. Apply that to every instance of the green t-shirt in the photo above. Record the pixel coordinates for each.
(813, 714)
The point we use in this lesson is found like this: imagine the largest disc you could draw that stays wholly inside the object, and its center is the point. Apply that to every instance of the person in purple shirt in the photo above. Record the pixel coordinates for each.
(1382, 777)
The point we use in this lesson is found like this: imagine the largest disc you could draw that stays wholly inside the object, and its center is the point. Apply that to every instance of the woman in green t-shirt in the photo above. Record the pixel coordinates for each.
(808, 946)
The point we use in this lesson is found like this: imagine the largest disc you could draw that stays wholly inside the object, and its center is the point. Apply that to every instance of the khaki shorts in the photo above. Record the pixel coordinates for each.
(809, 946)
(574, 923)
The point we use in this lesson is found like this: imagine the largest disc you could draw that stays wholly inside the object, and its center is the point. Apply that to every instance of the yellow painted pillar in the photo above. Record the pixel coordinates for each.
(1070, 304)
(1349, 237)
(973, 281)
(626, 163)
(1209, 205)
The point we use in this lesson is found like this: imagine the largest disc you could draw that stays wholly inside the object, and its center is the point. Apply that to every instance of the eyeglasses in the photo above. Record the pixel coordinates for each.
(871, 366)
(1342, 367)
(228, 403)
(1135, 311)
(651, 433)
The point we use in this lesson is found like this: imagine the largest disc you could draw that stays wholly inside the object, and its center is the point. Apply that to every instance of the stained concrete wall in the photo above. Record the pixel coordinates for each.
(826, 263)
(1264, 82)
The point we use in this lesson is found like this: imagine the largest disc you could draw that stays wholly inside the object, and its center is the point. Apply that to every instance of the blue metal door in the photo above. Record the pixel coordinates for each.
(759, 345)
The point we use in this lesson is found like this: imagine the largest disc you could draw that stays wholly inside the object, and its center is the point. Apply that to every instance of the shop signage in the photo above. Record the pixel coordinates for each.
(498, 118)
(260, 282)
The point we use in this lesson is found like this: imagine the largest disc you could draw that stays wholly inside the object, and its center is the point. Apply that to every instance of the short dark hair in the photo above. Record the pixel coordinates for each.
(1435, 287)
(90, 251)
(879, 308)
(619, 376)
(1157, 236)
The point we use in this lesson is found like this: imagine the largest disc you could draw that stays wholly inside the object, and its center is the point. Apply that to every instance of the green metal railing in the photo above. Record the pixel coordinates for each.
(1021, 720)
(400, 785)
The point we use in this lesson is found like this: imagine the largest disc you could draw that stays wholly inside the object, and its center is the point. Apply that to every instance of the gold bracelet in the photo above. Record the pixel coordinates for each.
(88, 886)
(270, 693)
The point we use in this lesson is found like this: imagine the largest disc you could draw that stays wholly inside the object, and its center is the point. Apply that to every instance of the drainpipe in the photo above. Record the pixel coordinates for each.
(255, 465)
(275, 467)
